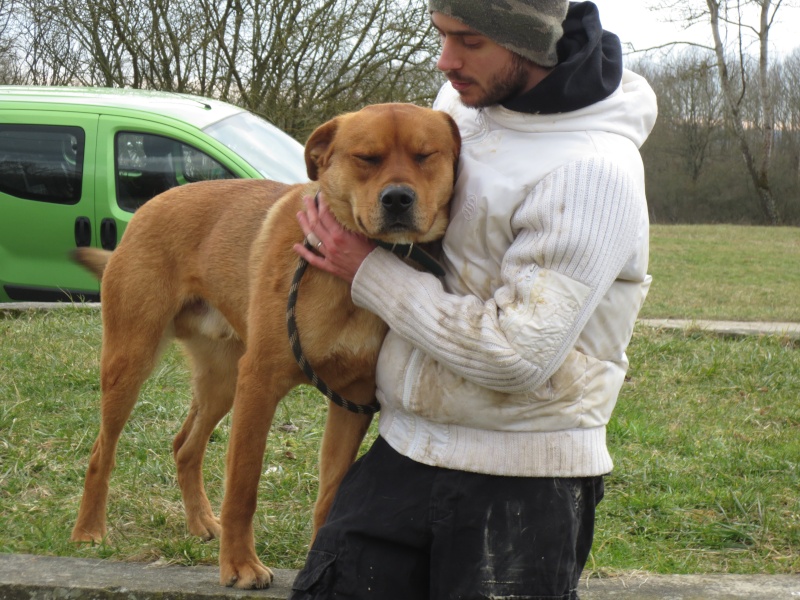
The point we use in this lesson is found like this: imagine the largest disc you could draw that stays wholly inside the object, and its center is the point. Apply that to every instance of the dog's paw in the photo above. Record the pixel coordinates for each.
(87, 536)
(206, 527)
(247, 576)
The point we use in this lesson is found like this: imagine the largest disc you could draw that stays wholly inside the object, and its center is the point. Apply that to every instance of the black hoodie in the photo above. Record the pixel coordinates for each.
(589, 67)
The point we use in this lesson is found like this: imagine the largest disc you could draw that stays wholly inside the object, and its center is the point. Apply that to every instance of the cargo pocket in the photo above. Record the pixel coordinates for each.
(316, 571)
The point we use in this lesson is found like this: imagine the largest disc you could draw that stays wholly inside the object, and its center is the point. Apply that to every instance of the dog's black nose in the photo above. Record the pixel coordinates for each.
(397, 199)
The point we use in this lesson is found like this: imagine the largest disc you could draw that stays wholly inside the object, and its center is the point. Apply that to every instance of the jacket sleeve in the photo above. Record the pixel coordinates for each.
(574, 233)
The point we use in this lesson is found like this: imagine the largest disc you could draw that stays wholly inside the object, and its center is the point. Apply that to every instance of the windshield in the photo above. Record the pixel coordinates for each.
(272, 152)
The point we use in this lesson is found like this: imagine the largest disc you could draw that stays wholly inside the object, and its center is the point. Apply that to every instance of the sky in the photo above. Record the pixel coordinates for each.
(633, 22)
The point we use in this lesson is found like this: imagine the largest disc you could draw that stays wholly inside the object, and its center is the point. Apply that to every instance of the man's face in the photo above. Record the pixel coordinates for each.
(480, 70)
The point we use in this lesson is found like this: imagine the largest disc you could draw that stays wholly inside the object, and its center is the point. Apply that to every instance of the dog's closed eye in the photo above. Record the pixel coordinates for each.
(370, 159)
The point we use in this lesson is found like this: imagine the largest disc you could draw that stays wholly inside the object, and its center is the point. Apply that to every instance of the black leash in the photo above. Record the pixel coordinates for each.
(411, 251)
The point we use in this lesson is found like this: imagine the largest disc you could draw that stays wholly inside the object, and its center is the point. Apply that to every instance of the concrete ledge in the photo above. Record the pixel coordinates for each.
(26, 577)
(733, 328)
(692, 587)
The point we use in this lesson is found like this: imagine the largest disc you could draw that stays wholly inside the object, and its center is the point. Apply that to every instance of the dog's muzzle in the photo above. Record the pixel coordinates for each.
(396, 200)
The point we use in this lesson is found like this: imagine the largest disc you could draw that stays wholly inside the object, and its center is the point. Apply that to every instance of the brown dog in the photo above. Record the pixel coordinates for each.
(211, 265)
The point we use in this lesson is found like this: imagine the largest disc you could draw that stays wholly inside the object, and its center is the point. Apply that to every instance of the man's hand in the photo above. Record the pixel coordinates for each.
(336, 250)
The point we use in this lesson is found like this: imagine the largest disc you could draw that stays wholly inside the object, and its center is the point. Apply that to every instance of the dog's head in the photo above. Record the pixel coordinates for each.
(387, 171)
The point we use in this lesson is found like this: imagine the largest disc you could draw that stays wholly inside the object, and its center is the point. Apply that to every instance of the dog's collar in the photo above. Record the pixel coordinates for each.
(415, 253)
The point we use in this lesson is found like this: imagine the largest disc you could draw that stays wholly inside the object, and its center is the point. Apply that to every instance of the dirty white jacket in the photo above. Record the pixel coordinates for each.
(512, 363)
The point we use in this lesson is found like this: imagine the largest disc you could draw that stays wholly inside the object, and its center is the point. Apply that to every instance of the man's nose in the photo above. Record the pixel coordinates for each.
(449, 59)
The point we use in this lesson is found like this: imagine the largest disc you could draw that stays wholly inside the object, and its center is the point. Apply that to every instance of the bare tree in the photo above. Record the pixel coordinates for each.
(687, 158)
(740, 31)
(297, 62)
(785, 82)
(788, 112)
(734, 85)
(6, 46)
(689, 103)
(295, 59)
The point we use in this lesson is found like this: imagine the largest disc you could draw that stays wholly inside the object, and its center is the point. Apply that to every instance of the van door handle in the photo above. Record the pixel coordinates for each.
(83, 231)
(108, 234)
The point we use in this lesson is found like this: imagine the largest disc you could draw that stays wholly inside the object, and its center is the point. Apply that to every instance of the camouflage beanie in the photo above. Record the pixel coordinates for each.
(529, 28)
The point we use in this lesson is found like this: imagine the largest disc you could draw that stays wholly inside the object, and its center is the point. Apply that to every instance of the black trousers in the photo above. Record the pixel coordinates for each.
(402, 530)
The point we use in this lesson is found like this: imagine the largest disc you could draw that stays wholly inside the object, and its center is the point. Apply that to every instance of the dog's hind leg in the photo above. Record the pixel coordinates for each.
(131, 348)
(214, 368)
(344, 432)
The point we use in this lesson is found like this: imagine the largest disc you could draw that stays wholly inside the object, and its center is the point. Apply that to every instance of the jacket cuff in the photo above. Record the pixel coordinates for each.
(379, 269)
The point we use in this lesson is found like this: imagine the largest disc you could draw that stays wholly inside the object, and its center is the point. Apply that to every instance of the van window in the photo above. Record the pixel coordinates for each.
(271, 151)
(42, 162)
(147, 165)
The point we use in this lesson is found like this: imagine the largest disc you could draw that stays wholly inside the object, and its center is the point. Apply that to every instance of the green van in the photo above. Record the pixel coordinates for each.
(75, 163)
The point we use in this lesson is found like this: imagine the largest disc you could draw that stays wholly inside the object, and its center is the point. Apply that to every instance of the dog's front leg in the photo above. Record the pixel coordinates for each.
(344, 432)
(253, 409)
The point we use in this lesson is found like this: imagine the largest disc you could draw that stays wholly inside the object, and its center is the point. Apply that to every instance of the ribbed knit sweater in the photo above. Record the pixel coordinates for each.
(512, 363)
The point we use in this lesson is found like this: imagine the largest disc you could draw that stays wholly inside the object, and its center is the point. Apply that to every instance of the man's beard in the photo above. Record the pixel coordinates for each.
(504, 85)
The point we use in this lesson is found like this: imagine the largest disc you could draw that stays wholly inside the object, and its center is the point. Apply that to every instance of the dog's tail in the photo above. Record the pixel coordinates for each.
(93, 259)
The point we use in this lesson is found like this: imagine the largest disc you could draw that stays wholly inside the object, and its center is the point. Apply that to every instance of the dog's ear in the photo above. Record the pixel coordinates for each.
(456, 140)
(317, 146)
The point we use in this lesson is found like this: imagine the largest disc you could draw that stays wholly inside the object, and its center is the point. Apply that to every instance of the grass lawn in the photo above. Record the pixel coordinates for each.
(705, 437)
(724, 272)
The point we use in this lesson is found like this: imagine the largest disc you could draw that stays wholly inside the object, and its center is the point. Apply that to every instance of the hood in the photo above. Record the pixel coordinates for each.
(589, 67)
(629, 111)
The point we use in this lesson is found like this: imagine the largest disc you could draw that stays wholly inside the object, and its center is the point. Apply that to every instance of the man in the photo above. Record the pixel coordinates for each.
(496, 383)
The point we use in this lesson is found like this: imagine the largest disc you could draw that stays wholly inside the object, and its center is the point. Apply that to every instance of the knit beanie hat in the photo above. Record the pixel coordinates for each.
(529, 28)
